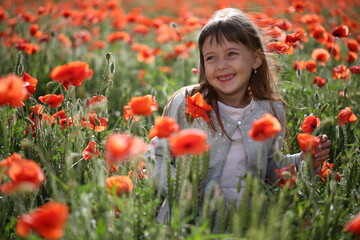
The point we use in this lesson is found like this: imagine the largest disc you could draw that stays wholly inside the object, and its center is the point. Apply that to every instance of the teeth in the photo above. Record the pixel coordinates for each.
(226, 77)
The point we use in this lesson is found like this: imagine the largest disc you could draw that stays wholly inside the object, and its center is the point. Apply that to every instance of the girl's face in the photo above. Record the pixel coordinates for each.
(228, 67)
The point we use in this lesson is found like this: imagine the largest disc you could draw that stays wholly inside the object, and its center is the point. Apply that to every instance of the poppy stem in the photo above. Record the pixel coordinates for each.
(76, 163)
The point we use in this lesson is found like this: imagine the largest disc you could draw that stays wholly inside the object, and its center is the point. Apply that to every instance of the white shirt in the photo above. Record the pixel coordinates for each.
(236, 163)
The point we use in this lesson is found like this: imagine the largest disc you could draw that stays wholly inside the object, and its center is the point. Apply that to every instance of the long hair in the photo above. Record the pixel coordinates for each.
(234, 26)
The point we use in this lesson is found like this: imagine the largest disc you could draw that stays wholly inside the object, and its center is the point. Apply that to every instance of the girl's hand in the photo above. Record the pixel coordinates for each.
(322, 152)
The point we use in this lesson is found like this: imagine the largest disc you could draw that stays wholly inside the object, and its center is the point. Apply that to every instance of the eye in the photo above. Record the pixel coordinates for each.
(209, 58)
(230, 54)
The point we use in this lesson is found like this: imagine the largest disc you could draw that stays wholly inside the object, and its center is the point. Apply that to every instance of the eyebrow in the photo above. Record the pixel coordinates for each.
(232, 48)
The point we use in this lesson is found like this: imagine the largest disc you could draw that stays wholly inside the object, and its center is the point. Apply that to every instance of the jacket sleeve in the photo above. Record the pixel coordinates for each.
(276, 160)
(160, 147)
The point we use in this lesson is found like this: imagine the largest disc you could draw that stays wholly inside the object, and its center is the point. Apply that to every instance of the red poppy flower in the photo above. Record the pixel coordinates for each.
(355, 69)
(353, 225)
(142, 105)
(48, 221)
(25, 175)
(65, 122)
(121, 184)
(73, 73)
(188, 141)
(352, 57)
(52, 99)
(30, 48)
(90, 151)
(7, 162)
(163, 127)
(265, 127)
(195, 70)
(291, 39)
(345, 115)
(12, 91)
(140, 172)
(310, 66)
(310, 123)
(352, 45)
(287, 175)
(30, 84)
(278, 47)
(116, 36)
(326, 170)
(33, 29)
(128, 114)
(197, 107)
(319, 81)
(299, 65)
(121, 147)
(96, 123)
(341, 72)
(341, 31)
(320, 55)
(308, 142)
(320, 34)
(97, 99)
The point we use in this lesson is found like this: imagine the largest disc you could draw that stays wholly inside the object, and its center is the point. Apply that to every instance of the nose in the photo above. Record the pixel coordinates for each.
(222, 64)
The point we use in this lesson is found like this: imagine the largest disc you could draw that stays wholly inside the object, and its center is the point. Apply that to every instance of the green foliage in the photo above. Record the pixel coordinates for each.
(312, 209)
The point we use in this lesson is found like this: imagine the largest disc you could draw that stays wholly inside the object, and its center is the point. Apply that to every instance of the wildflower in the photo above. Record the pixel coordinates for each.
(163, 127)
(66, 122)
(12, 91)
(287, 175)
(195, 70)
(325, 171)
(320, 34)
(345, 115)
(90, 151)
(310, 66)
(299, 65)
(30, 48)
(48, 221)
(97, 99)
(121, 184)
(278, 47)
(25, 175)
(52, 99)
(310, 123)
(140, 171)
(307, 142)
(188, 141)
(355, 69)
(265, 127)
(96, 123)
(319, 81)
(116, 36)
(353, 225)
(352, 57)
(142, 105)
(29, 83)
(73, 73)
(352, 45)
(121, 147)
(341, 72)
(197, 107)
(320, 55)
(341, 31)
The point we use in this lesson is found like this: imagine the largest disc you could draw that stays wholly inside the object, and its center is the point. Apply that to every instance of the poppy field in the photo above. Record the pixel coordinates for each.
(83, 85)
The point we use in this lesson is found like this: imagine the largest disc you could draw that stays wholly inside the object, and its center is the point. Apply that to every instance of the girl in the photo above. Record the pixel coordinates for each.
(235, 79)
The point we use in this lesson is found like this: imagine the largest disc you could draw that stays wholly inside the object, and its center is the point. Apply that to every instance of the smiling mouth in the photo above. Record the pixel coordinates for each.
(226, 77)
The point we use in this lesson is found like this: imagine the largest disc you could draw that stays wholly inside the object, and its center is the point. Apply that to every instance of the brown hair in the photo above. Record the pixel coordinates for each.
(233, 25)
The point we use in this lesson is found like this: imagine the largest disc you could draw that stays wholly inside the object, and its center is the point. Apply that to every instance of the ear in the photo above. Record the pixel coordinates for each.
(257, 59)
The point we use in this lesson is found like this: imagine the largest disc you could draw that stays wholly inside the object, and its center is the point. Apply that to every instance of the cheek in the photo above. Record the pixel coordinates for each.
(208, 71)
